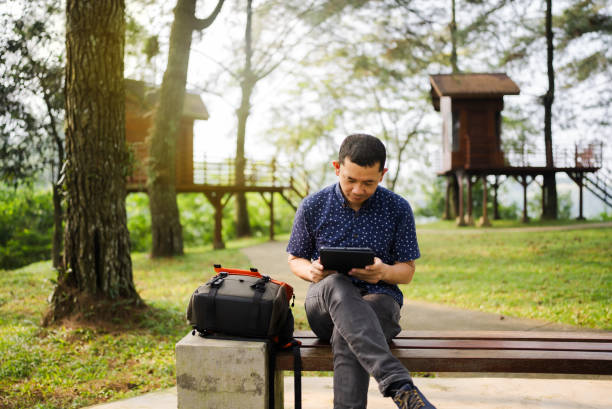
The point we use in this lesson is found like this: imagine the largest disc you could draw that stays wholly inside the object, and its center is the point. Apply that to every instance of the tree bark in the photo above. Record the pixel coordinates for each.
(243, 226)
(453, 35)
(549, 190)
(166, 229)
(97, 258)
(56, 251)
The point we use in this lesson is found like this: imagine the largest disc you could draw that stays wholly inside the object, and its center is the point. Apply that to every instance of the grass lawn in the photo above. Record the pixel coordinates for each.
(561, 276)
(558, 276)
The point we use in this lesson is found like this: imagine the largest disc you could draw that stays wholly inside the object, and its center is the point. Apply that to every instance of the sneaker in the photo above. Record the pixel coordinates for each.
(410, 397)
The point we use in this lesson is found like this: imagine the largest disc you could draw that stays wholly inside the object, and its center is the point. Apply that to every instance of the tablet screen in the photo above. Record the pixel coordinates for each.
(343, 259)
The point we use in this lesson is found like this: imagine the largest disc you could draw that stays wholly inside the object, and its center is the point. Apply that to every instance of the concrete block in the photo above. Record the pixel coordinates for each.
(223, 374)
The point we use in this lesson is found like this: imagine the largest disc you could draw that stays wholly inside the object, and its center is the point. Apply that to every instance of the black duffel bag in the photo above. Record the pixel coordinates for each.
(245, 304)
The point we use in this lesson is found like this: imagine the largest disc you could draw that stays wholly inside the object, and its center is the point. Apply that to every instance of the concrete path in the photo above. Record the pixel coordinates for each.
(446, 391)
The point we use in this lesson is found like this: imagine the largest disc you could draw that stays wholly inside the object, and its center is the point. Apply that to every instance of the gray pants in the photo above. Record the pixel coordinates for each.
(358, 328)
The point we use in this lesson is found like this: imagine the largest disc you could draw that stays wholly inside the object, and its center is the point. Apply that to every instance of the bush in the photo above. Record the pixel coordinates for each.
(26, 226)
(138, 221)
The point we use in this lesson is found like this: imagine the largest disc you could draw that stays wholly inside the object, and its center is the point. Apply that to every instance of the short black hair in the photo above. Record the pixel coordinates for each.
(363, 150)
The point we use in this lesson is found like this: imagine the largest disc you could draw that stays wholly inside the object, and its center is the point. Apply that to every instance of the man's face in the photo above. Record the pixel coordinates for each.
(358, 183)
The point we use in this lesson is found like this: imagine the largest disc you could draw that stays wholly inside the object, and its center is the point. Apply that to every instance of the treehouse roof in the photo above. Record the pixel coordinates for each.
(146, 96)
(481, 85)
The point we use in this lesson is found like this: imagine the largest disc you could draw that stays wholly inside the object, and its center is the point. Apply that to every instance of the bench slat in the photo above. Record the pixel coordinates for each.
(460, 360)
(480, 351)
(501, 335)
(481, 344)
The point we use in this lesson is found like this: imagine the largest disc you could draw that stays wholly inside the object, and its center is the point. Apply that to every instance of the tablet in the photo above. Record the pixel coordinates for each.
(343, 259)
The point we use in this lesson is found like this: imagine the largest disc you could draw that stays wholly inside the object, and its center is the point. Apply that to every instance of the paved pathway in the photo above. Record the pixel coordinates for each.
(445, 392)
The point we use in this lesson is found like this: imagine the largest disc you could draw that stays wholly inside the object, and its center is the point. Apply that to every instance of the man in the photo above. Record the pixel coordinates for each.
(359, 312)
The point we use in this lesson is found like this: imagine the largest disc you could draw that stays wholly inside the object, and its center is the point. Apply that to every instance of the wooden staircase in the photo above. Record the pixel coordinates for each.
(600, 184)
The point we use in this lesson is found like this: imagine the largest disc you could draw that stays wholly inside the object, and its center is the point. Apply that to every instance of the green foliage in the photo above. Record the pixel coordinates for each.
(198, 219)
(564, 205)
(434, 193)
(138, 221)
(31, 97)
(26, 226)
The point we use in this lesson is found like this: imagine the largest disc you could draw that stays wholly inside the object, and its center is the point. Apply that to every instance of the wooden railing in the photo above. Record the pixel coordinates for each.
(589, 155)
(586, 155)
(256, 173)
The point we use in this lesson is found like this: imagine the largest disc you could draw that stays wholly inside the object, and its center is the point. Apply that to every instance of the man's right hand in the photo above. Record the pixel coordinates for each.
(313, 272)
(317, 271)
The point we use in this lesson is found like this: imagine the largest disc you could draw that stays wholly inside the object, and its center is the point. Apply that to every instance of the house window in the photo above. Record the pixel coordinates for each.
(455, 131)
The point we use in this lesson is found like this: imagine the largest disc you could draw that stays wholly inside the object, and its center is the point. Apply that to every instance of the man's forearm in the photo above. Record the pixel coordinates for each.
(399, 273)
(300, 267)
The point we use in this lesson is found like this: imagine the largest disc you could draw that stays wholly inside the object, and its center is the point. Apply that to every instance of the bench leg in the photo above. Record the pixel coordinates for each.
(215, 373)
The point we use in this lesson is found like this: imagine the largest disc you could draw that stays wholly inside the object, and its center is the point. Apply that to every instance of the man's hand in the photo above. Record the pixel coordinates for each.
(317, 271)
(398, 273)
(313, 272)
(372, 273)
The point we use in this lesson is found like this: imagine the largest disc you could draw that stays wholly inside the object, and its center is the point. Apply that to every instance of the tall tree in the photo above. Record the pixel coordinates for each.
(31, 103)
(165, 221)
(247, 83)
(549, 187)
(272, 32)
(98, 266)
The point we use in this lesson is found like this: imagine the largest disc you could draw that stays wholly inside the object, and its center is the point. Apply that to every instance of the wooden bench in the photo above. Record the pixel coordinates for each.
(480, 351)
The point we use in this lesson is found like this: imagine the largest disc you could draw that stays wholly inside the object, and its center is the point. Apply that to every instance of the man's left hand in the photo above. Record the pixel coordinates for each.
(370, 274)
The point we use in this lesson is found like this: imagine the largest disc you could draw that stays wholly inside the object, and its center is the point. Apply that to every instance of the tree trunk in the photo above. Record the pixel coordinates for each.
(243, 226)
(549, 191)
(56, 251)
(166, 230)
(97, 246)
(453, 35)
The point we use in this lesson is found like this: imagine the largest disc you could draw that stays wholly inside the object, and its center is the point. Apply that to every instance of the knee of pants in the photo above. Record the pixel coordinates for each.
(337, 282)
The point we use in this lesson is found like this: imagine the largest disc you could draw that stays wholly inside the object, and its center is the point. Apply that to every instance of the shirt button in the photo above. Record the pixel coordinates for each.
(355, 236)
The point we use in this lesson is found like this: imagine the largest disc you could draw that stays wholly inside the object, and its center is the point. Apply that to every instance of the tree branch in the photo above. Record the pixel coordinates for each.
(200, 24)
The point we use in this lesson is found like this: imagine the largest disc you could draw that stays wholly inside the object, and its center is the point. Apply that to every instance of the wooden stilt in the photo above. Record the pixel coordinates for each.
(580, 177)
(524, 182)
(447, 198)
(495, 202)
(270, 204)
(461, 215)
(484, 220)
(216, 199)
(470, 202)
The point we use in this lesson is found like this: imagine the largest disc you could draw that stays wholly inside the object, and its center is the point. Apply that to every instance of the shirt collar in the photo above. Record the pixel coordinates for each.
(344, 202)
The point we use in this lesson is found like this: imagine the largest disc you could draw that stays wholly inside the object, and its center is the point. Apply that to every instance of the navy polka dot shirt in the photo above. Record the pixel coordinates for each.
(384, 223)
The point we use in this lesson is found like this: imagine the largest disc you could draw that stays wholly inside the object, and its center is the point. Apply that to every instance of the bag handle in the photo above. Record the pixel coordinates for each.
(254, 273)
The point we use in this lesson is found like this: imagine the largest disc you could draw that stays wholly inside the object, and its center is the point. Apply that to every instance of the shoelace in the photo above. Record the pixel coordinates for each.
(409, 400)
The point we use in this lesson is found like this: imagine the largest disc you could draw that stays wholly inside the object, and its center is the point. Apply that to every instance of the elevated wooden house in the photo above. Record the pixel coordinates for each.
(216, 181)
(471, 106)
(140, 102)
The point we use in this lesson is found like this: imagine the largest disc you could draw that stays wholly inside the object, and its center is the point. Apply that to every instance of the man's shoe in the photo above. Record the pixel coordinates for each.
(410, 397)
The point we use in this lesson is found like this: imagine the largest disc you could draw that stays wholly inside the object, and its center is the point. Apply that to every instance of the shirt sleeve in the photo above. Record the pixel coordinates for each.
(301, 243)
(405, 246)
